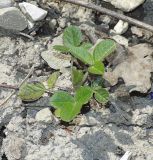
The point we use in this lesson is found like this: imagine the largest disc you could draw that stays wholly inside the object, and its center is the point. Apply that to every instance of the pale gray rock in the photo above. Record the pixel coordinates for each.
(121, 27)
(13, 149)
(33, 12)
(126, 5)
(55, 59)
(11, 18)
(121, 40)
(6, 3)
(44, 115)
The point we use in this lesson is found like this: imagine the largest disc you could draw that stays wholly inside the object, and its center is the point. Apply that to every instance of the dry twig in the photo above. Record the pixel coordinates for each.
(111, 13)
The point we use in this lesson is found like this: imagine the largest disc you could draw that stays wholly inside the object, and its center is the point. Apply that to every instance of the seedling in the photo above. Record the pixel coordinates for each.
(67, 105)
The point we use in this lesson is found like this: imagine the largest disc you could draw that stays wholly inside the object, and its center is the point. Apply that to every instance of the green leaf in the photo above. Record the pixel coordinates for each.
(52, 79)
(57, 112)
(97, 83)
(77, 77)
(72, 36)
(31, 91)
(83, 94)
(82, 54)
(102, 95)
(66, 106)
(69, 112)
(87, 45)
(61, 48)
(61, 99)
(103, 49)
(98, 68)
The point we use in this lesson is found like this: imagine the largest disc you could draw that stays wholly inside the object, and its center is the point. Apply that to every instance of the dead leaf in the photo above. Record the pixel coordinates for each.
(135, 70)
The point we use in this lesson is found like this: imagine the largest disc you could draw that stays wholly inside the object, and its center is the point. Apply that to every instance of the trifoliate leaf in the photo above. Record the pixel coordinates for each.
(66, 106)
(98, 68)
(103, 49)
(102, 95)
(31, 91)
(52, 79)
(83, 94)
(72, 36)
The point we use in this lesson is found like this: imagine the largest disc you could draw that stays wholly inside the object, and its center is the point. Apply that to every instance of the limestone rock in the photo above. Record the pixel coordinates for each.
(12, 146)
(121, 27)
(11, 18)
(44, 115)
(121, 40)
(125, 5)
(6, 3)
(32, 11)
(55, 59)
(140, 32)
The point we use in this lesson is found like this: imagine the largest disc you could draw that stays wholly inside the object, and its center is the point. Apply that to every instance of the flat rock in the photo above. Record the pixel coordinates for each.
(11, 18)
(125, 5)
(6, 3)
(33, 12)
(44, 115)
(55, 59)
(121, 40)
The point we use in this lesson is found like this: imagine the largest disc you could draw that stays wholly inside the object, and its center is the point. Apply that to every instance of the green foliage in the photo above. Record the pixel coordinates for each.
(61, 48)
(103, 49)
(34, 90)
(101, 95)
(82, 54)
(98, 68)
(72, 36)
(77, 77)
(31, 91)
(83, 94)
(72, 39)
(52, 79)
(69, 106)
(87, 45)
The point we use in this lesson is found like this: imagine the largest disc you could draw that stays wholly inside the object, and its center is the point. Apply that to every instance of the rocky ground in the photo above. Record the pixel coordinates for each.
(28, 31)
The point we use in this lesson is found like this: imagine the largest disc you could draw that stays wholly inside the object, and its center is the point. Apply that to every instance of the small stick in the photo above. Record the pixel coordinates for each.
(26, 35)
(25, 79)
(111, 13)
(8, 86)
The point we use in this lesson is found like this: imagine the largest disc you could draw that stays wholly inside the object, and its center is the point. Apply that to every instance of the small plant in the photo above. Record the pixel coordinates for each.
(69, 106)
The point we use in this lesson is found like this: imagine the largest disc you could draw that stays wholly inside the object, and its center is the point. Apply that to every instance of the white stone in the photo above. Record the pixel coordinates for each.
(121, 40)
(5, 3)
(126, 156)
(121, 27)
(44, 115)
(126, 5)
(30, 24)
(34, 12)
